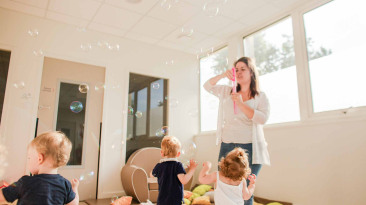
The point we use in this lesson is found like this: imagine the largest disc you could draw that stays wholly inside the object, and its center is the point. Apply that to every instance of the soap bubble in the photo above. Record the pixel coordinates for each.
(169, 62)
(86, 47)
(99, 86)
(130, 110)
(189, 150)
(156, 86)
(193, 112)
(114, 198)
(38, 52)
(19, 85)
(186, 32)
(76, 106)
(167, 4)
(83, 88)
(138, 114)
(173, 102)
(113, 47)
(211, 8)
(33, 32)
(163, 131)
(86, 177)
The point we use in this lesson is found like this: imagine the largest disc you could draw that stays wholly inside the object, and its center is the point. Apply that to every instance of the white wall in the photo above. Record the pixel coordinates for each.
(63, 41)
(311, 163)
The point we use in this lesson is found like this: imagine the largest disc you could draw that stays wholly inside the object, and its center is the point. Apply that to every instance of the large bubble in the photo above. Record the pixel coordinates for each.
(86, 177)
(163, 131)
(76, 106)
(83, 88)
(188, 150)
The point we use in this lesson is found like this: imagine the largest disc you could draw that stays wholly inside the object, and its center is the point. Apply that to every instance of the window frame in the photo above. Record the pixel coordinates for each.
(307, 114)
(148, 135)
(201, 88)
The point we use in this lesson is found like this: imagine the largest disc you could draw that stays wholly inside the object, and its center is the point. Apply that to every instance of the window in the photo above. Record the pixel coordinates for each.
(273, 51)
(147, 112)
(211, 66)
(71, 118)
(4, 68)
(335, 37)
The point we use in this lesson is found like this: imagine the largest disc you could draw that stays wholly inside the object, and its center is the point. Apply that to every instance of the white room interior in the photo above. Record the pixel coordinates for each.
(318, 159)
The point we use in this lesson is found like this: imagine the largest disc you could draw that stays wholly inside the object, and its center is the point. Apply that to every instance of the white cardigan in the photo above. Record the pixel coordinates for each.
(260, 117)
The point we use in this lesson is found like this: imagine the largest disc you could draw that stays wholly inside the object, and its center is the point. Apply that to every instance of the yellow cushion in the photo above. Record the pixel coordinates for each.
(194, 195)
(202, 189)
(202, 200)
(186, 201)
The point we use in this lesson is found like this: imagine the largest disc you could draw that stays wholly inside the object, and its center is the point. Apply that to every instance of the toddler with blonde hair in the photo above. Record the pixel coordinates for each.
(46, 153)
(230, 182)
(171, 174)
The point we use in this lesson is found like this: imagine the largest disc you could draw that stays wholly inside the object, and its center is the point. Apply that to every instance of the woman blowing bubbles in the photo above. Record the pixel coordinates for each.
(245, 127)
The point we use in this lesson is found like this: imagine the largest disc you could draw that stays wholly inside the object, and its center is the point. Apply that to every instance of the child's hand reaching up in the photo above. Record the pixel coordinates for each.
(206, 166)
(75, 184)
(252, 179)
(192, 164)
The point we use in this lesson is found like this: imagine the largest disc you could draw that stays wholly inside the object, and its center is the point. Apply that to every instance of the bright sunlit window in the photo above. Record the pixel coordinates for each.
(335, 34)
(273, 51)
(211, 66)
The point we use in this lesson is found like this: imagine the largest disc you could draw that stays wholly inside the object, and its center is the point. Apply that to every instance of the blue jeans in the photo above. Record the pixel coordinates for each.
(227, 147)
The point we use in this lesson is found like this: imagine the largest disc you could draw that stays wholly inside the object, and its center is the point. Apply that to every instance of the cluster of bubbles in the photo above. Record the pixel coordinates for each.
(168, 4)
(84, 88)
(76, 106)
(101, 44)
(130, 112)
(161, 132)
(33, 32)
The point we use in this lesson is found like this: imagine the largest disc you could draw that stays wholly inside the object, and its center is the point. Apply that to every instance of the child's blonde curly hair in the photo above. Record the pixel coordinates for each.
(54, 145)
(235, 165)
(170, 146)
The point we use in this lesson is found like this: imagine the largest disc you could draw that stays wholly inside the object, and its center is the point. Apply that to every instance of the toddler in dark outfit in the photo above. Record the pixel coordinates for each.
(46, 153)
(171, 174)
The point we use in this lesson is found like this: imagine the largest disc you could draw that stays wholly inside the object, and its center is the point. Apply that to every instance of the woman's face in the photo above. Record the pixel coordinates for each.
(243, 74)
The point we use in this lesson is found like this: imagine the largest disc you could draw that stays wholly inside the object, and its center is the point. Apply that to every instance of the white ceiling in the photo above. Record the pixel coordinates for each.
(151, 22)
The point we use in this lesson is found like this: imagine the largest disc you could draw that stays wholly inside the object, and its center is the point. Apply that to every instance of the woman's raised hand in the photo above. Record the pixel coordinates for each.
(229, 74)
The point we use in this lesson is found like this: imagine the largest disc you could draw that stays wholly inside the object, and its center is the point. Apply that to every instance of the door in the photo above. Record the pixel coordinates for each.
(71, 101)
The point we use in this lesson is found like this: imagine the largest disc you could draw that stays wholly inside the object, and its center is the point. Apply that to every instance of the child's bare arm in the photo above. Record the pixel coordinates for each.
(205, 177)
(151, 175)
(75, 185)
(248, 191)
(2, 198)
(184, 178)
